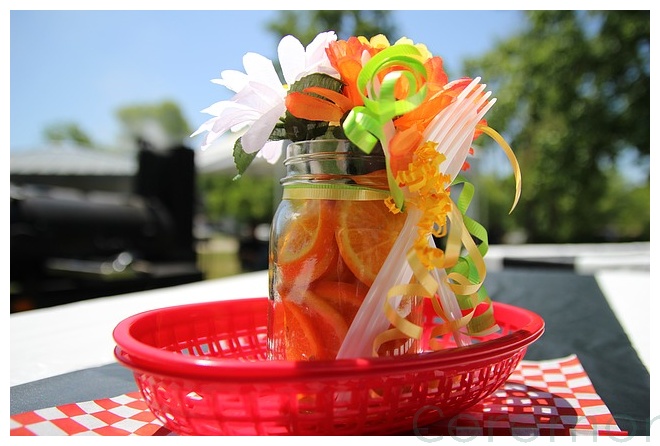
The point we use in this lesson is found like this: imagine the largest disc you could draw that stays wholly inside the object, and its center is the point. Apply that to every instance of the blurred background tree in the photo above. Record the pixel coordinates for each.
(573, 101)
(247, 200)
(162, 124)
(67, 132)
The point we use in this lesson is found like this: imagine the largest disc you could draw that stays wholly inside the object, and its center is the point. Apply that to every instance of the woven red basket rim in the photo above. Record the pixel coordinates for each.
(141, 357)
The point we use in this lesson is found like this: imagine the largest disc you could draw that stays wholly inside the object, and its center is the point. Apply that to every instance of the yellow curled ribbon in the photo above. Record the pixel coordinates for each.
(377, 83)
(510, 155)
(465, 273)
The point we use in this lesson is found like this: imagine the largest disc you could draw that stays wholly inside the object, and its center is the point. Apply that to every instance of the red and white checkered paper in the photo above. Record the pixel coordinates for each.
(541, 398)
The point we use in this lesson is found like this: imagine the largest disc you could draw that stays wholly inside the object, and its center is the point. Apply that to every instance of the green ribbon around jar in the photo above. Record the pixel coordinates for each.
(333, 192)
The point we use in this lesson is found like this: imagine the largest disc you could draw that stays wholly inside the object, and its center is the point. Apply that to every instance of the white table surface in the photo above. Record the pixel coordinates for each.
(52, 341)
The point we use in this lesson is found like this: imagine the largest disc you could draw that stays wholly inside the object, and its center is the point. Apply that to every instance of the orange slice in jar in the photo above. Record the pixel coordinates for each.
(366, 231)
(306, 247)
(314, 329)
(376, 179)
(345, 297)
(301, 341)
(338, 272)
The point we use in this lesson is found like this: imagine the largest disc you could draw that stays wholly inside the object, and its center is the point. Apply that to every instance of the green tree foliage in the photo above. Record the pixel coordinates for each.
(247, 200)
(573, 97)
(305, 25)
(160, 123)
(67, 132)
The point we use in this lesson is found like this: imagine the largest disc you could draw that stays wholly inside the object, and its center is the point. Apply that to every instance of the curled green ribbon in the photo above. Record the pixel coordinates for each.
(470, 267)
(366, 125)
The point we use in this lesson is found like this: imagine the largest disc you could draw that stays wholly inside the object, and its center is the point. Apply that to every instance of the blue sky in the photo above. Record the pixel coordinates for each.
(81, 66)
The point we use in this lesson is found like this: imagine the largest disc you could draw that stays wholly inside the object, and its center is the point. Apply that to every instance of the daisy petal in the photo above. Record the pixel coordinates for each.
(210, 138)
(271, 151)
(316, 59)
(205, 127)
(261, 69)
(232, 79)
(259, 96)
(291, 54)
(219, 107)
(234, 117)
(255, 138)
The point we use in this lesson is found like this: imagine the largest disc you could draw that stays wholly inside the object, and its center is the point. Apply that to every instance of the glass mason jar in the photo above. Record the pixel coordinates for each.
(330, 236)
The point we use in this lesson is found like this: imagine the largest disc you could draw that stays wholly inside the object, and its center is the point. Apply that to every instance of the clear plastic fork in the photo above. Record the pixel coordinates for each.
(453, 130)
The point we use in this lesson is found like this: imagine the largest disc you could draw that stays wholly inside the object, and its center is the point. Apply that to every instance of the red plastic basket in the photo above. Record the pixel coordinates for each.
(202, 370)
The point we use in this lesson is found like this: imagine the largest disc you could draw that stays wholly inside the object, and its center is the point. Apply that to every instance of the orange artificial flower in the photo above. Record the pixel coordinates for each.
(402, 148)
(346, 57)
(436, 76)
(328, 105)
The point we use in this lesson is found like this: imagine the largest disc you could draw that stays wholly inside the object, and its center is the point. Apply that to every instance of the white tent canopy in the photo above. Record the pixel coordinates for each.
(72, 160)
(219, 158)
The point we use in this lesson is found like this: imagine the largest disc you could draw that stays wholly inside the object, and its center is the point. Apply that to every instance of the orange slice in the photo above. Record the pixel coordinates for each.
(338, 272)
(306, 246)
(314, 329)
(366, 231)
(376, 179)
(301, 341)
(346, 298)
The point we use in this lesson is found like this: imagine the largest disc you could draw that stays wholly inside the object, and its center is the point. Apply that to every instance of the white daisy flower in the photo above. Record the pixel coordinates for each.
(256, 108)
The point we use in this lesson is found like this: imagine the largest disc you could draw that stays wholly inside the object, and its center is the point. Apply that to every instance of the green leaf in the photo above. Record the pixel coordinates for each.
(278, 133)
(337, 132)
(317, 80)
(302, 130)
(242, 159)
